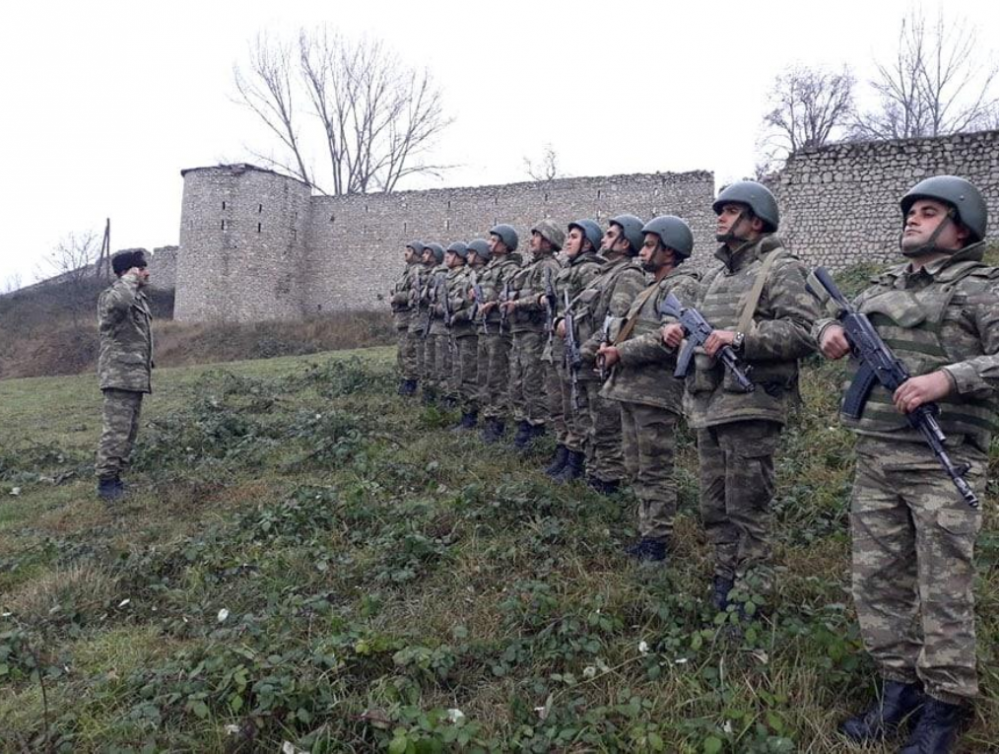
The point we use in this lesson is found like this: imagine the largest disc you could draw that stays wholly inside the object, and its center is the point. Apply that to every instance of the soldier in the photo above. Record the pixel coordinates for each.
(436, 335)
(465, 333)
(642, 382)
(913, 536)
(526, 312)
(495, 340)
(608, 297)
(451, 298)
(406, 353)
(757, 302)
(124, 366)
(583, 239)
(418, 311)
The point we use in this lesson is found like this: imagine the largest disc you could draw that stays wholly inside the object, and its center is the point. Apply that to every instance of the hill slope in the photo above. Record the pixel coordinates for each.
(306, 557)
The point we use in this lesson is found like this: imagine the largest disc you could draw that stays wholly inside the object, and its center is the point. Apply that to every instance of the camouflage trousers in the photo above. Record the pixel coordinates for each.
(464, 373)
(736, 470)
(407, 355)
(604, 442)
(120, 428)
(439, 368)
(416, 336)
(576, 415)
(554, 402)
(494, 368)
(649, 446)
(913, 570)
(527, 378)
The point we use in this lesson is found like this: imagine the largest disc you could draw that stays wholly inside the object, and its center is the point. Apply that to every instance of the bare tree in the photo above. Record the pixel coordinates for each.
(11, 283)
(547, 168)
(807, 108)
(377, 117)
(937, 84)
(71, 267)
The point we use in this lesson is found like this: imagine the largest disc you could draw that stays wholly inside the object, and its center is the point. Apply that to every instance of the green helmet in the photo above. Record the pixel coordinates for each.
(437, 250)
(551, 232)
(674, 233)
(970, 208)
(480, 247)
(507, 234)
(417, 246)
(591, 231)
(459, 248)
(756, 196)
(632, 229)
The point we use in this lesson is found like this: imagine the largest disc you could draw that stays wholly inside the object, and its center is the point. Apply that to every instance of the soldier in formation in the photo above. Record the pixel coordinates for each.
(403, 312)
(588, 346)
(124, 367)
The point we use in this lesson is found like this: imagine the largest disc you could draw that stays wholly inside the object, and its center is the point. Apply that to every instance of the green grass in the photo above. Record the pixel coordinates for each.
(379, 572)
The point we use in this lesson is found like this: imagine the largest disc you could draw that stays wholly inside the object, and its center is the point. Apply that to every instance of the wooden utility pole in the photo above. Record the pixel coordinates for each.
(104, 259)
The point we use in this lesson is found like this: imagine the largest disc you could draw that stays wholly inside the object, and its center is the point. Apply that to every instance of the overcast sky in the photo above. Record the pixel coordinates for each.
(105, 102)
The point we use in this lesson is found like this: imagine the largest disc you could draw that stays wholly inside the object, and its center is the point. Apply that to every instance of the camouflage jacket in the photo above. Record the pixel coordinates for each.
(576, 277)
(435, 288)
(611, 293)
(778, 336)
(644, 373)
(125, 325)
(493, 277)
(399, 299)
(419, 304)
(527, 286)
(942, 317)
(459, 281)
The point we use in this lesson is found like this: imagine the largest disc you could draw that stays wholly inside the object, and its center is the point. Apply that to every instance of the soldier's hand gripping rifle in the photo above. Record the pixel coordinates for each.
(551, 302)
(602, 366)
(479, 298)
(879, 364)
(572, 352)
(696, 332)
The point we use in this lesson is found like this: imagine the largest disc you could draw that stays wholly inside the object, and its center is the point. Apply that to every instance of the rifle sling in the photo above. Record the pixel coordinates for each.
(630, 323)
(746, 316)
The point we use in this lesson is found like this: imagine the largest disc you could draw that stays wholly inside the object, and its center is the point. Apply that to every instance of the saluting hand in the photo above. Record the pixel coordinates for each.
(917, 391)
(833, 343)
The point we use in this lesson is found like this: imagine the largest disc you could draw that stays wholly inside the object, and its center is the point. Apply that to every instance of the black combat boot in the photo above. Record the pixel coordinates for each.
(450, 403)
(110, 490)
(721, 587)
(493, 431)
(523, 436)
(401, 390)
(558, 461)
(602, 486)
(897, 702)
(409, 388)
(468, 422)
(648, 551)
(937, 729)
(573, 468)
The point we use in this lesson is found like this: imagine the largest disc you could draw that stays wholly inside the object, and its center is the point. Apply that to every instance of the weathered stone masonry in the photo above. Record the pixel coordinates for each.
(255, 245)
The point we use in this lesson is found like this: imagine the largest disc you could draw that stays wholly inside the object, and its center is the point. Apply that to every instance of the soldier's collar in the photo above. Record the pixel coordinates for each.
(940, 269)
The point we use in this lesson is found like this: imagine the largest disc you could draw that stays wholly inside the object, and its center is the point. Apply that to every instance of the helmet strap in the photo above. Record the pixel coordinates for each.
(730, 235)
(931, 246)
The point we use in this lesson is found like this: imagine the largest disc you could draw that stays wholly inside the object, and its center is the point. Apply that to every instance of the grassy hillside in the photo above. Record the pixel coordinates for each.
(308, 558)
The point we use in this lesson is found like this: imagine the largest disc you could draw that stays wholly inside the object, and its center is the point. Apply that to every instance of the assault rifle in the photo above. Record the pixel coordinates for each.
(446, 305)
(572, 352)
(430, 304)
(602, 366)
(696, 332)
(479, 299)
(879, 364)
(551, 302)
(504, 296)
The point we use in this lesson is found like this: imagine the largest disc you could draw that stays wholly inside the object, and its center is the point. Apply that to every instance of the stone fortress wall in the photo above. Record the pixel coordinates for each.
(255, 245)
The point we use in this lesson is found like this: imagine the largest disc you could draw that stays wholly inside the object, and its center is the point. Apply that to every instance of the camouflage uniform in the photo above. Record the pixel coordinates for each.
(738, 432)
(124, 368)
(913, 567)
(651, 401)
(553, 356)
(527, 324)
(462, 386)
(406, 351)
(575, 277)
(611, 293)
(419, 312)
(438, 343)
(494, 346)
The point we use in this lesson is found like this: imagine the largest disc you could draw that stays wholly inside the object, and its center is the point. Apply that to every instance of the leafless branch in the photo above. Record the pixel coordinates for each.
(547, 168)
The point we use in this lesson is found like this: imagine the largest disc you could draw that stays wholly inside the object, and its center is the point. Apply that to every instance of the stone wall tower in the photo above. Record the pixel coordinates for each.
(242, 238)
